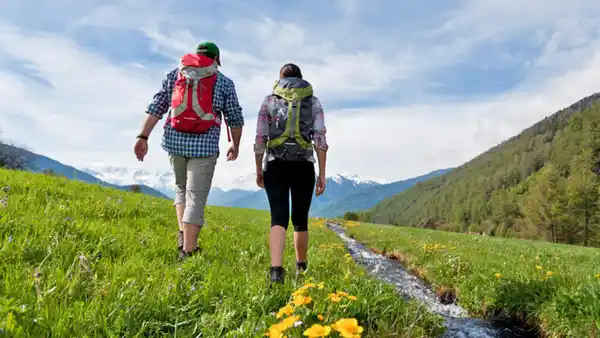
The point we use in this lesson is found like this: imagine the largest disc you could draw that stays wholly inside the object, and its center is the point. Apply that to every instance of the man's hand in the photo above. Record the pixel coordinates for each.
(232, 153)
(260, 180)
(320, 185)
(140, 149)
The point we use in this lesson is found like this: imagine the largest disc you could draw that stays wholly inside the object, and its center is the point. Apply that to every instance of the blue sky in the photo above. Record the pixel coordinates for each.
(408, 87)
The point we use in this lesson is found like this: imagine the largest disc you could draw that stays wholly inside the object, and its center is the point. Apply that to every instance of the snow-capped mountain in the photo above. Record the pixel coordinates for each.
(242, 192)
(165, 181)
(357, 180)
(161, 181)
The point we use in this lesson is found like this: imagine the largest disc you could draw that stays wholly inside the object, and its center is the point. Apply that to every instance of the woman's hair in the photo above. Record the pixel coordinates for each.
(290, 70)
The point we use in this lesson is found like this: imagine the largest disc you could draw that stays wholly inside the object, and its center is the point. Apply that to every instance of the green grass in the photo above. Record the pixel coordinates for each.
(556, 286)
(79, 260)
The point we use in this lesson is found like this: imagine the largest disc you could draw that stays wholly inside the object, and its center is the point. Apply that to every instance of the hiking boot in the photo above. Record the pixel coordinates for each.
(184, 255)
(180, 240)
(301, 268)
(277, 274)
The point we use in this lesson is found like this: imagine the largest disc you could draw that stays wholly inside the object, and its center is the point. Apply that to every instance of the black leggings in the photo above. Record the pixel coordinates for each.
(283, 177)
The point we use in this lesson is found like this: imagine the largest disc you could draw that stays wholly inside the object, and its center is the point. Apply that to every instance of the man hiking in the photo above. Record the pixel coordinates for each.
(195, 95)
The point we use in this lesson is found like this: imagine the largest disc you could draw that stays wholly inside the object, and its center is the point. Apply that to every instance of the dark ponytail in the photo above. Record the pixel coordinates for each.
(290, 70)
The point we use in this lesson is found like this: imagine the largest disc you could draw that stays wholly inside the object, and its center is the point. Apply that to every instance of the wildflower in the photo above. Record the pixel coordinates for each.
(274, 332)
(320, 316)
(597, 275)
(287, 310)
(538, 267)
(317, 331)
(498, 275)
(342, 293)
(347, 327)
(334, 298)
(351, 297)
(302, 300)
(548, 273)
(287, 323)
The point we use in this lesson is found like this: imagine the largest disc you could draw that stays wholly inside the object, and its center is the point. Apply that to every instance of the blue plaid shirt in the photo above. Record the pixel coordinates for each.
(197, 145)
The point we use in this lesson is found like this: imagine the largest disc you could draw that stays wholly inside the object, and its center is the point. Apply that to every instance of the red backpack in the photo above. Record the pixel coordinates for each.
(192, 97)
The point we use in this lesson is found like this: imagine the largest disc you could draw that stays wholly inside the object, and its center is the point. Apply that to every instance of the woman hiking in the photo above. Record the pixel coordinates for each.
(289, 122)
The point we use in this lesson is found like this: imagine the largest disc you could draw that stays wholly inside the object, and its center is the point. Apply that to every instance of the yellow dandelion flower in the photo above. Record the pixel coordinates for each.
(342, 293)
(320, 286)
(351, 297)
(286, 323)
(317, 330)
(302, 300)
(498, 275)
(320, 316)
(274, 332)
(347, 327)
(286, 310)
(334, 298)
(549, 273)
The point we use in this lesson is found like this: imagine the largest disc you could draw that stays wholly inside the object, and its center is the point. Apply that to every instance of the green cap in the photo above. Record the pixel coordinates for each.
(210, 49)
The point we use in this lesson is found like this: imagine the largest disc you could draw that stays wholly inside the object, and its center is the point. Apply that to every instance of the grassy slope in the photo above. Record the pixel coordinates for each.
(81, 260)
(557, 285)
(490, 191)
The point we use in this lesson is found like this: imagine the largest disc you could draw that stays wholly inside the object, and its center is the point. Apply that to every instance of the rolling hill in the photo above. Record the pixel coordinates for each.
(81, 260)
(540, 184)
(40, 163)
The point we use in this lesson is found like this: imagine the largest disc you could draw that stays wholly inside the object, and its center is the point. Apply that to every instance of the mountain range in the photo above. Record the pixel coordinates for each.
(40, 163)
(344, 191)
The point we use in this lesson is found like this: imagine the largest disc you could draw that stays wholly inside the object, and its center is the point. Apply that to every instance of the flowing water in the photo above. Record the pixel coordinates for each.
(456, 320)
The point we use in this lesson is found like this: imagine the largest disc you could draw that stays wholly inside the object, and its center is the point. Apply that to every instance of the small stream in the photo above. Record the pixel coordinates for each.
(457, 321)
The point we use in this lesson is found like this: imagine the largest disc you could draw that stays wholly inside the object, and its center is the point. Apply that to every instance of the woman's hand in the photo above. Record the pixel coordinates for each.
(320, 185)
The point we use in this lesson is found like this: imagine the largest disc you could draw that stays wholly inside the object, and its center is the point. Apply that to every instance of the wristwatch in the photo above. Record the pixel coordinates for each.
(143, 137)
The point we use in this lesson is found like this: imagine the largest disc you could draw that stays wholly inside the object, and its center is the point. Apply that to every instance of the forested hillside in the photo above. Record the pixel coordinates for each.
(540, 184)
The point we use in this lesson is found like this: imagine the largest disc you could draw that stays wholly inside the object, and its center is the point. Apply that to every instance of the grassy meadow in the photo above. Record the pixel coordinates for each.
(553, 286)
(79, 260)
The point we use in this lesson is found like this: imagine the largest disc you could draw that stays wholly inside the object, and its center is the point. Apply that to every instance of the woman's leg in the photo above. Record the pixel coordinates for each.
(302, 188)
(277, 188)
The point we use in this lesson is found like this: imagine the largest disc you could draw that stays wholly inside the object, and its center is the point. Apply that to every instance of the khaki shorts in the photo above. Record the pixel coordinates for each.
(193, 180)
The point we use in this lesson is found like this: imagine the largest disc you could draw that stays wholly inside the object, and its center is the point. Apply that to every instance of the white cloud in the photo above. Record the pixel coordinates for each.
(93, 106)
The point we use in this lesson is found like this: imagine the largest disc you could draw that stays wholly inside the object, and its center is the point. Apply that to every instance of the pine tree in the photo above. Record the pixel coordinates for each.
(582, 195)
(545, 204)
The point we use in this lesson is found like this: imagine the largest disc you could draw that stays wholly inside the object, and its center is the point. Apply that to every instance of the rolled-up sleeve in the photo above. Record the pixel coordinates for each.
(262, 127)
(233, 110)
(161, 101)
(319, 130)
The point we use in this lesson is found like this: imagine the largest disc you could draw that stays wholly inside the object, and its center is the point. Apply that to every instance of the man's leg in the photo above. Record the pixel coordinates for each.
(179, 166)
(277, 188)
(302, 190)
(200, 173)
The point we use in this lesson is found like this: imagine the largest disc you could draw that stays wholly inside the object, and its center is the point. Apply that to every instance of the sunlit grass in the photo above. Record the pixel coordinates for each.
(554, 286)
(78, 260)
